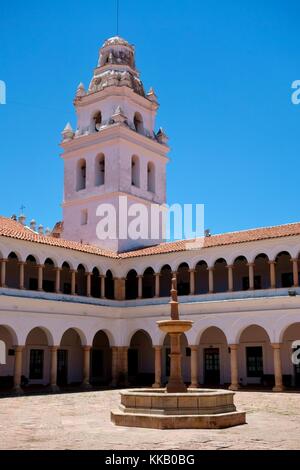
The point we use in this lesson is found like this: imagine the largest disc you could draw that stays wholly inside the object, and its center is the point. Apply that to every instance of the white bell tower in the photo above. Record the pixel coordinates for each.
(114, 151)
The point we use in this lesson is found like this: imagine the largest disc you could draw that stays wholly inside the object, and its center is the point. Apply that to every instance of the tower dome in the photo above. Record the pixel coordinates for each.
(116, 67)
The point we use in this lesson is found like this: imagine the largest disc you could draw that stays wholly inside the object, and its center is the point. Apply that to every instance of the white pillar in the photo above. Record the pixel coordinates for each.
(210, 280)
(86, 366)
(272, 274)
(21, 275)
(251, 275)
(140, 286)
(158, 356)
(277, 367)
(57, 280)
(194, 366)
(73, 282)
(157, 286)
(295, 272)
(40, 277)
(192, 281)
(53, 368)
(18, 369)
(3, 272)
(88, 284)
(102, 283)
(234, 367)
(230, 278)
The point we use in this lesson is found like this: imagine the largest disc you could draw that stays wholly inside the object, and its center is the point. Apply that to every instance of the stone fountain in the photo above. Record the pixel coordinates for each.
(176, 407)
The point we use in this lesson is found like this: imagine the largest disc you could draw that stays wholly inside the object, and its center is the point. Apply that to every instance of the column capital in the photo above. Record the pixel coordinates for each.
(271, 261)
(233, 346)
(53, 348)
(140, 276)
(19, 348)
(157, 347)
(157, 274)
(210, 268)
(57, 268)
(3, 260)
(192, 270)
(276, 345)
(250, 264)
(21, 263)
(40, 265)
(194, 347)
(87, 348)
(295, 260)
(87, 273)
(229, 266)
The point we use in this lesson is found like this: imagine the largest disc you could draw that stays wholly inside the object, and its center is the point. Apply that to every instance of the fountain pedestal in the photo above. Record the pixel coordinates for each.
(175, 407)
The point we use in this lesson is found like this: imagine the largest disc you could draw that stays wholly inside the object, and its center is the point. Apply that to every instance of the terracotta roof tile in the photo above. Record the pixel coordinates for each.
(12, 229)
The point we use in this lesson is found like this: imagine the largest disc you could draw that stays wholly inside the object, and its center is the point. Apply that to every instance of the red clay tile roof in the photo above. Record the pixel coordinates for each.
(12, 229)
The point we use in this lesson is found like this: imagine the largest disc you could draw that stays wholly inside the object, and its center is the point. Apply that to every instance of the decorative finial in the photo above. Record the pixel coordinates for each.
(80, 90)
(162, 136)
(174, 301)
(68, 133)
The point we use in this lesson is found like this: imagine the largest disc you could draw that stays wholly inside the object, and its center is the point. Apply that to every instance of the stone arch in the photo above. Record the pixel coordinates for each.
(31, 273)
(261, 271)
(135, 171)
(49, 275)
(185, 358)
(220, 275)
(101, 358)
(71, 344)
(131, 285)
(290, 354)
(36, 356)
(165, 280)
(138, 123)
(100, 170)
(81, 175)
(109, 285)
(284, 270)
(65, 278)
(183, 279)
(12, 271)
(151, 177)
(201, 278)
(81, 284)
(213, 358)
(96, 283)
(255, 356)
(240, 273)
(141, 358)
(8, 339)
(148, 283)
(96, 121)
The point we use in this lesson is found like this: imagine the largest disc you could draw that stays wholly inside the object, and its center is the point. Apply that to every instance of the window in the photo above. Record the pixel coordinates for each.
(84, 217)
(100, 170)
(81, 175)
(36, 365)
(135, 171)
(254, 358)
(97, 120)
(287, 279)
(138, 123)
(151, 177)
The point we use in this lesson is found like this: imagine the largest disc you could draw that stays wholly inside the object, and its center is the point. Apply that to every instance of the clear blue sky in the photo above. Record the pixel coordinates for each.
(222, 70)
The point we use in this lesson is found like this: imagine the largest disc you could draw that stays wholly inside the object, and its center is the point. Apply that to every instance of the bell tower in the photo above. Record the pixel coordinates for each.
(114, 151)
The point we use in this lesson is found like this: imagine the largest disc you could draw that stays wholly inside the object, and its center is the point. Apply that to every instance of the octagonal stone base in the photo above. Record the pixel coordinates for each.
(196, 409)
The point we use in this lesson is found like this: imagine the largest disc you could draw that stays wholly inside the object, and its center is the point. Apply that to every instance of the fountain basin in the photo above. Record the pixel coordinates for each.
(174, 326)
(196, 409)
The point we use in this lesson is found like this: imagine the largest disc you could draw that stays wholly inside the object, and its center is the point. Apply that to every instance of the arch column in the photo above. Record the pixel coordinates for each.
(140, 286)
(251, 275)
(21, 275)
(158, 358)
(210, 280)
(57, 280)
(40, 268)
(194, 366)
(157, 284)
(230, 277)
(53, 368)
(18, 369)
(174, 275)
(295, 272)
(114, 366)
(102, 286)
(119, 288)
(86, 366)
(88, 284)
(277, 367)
(234, 367)
(192, 281)
(73, 282)
(3, 272)
(272, 274)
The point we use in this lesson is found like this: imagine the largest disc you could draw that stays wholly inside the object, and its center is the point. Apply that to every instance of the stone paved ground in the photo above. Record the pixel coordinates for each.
(82, 421)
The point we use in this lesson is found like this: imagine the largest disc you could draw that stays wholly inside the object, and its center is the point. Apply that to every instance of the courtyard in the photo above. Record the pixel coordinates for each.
(82, 421)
